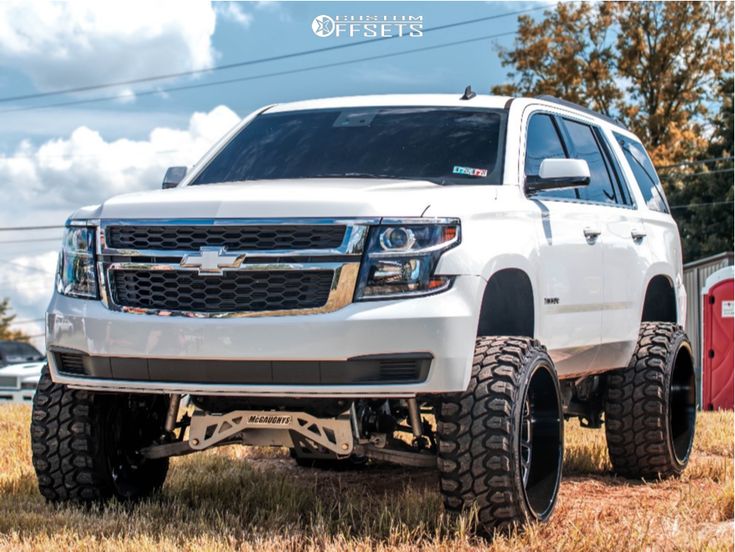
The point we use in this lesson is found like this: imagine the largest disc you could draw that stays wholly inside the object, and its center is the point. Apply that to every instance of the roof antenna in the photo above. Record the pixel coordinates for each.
(468, 93)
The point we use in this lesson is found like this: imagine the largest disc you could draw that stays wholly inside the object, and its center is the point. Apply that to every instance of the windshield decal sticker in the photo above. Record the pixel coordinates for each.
(469, 171)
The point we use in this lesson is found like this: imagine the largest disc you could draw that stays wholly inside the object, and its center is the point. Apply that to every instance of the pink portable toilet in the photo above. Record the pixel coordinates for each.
(717, 340)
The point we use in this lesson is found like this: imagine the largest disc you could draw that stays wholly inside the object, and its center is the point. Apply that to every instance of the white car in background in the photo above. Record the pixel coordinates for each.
(20, 370)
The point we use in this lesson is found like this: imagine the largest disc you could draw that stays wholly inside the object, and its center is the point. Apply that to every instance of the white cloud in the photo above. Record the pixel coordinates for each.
(84, 168)
(28, 282)
(234, 12)
(65, 44)
(43, 185)
(126, 96)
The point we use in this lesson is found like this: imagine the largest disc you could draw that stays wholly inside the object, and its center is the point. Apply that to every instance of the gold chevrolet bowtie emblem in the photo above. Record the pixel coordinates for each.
(211, 260)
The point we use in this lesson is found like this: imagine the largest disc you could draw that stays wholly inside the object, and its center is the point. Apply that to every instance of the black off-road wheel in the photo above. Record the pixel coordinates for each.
(501, 441)
(86, 445)
(650, 407)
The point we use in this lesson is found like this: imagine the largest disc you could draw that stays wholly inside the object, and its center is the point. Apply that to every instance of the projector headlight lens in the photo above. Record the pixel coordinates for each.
(77, 272)
(400, 260)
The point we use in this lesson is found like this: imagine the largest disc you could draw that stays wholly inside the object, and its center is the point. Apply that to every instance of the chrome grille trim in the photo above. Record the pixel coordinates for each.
(352, 243)
(260, 238)
(345, 271)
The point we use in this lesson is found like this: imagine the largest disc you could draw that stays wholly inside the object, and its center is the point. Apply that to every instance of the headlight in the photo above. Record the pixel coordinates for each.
(77, 274)
(400, 260)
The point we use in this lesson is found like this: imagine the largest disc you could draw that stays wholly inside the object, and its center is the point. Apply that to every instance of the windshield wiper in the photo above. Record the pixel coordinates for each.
(433, 180)
(357, 175)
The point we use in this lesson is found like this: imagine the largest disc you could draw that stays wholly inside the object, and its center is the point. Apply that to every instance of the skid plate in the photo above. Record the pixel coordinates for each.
(259, 427)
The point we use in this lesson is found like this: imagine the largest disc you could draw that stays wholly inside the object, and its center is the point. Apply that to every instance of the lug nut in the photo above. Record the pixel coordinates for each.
(345, 446)
(195, 442)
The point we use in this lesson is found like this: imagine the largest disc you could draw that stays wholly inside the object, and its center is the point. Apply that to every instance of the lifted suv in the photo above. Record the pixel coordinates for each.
(429, 280)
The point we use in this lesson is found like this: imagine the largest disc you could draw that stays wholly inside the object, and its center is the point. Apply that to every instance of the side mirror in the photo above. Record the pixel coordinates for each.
(173, 176)
(554, 174)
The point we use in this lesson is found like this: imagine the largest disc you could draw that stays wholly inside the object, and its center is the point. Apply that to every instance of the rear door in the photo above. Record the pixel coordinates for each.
(622, 240)
(570, 257)
(658, 243)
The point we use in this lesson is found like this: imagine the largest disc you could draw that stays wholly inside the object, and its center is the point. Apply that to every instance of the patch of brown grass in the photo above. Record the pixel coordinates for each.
(256, 499)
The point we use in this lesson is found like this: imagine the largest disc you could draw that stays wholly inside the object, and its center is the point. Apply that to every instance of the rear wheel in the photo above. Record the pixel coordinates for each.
(650, 407)
(86, 446)
(501, 441)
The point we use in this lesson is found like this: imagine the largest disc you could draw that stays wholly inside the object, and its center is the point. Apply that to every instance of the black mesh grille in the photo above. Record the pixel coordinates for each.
(231, 292)
(253, 238)
(9, 381)
(70, 363)
(399, 370)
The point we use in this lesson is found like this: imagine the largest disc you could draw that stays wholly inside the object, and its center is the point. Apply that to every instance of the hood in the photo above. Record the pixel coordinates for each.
(327, 198)
(26, 369)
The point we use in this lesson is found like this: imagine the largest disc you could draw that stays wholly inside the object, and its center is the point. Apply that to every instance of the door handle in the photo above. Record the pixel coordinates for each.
(637, 234)
(592, 233)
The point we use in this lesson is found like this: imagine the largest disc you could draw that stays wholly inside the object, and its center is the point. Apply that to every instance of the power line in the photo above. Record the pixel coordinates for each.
(24, 228)
(31, 268)
(690, 205)
(38, 240)
(264, 75)
(28, 321)
(76, 155)
(696, 162)
(703, 173)
(245, 63)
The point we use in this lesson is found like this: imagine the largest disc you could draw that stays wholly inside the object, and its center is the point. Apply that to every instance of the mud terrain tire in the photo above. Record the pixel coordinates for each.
(85, 444)
(501, 441)
(650, 406)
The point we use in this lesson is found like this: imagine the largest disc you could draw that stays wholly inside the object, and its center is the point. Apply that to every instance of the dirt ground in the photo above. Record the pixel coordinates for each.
(258, 499)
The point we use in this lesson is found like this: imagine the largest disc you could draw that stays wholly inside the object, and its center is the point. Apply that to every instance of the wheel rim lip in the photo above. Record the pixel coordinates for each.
(526, 442)
(544, 513)
(682, 394)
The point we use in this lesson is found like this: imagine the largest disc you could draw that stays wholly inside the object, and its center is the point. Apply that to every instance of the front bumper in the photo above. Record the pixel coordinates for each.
(16, 396)
(442, 326)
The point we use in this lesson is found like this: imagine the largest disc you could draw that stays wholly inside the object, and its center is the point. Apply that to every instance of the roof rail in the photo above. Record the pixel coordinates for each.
(587, 110)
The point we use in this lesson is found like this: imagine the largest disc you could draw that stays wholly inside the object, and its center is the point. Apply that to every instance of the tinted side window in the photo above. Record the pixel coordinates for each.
(645, 174)
(585, 146)
(544, 142)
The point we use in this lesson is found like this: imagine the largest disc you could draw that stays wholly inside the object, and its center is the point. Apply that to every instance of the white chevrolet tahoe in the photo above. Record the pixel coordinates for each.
(430, 280)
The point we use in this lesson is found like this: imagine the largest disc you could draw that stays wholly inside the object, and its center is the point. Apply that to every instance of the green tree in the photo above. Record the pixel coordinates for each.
(706, 225)
(6, 320)
(654, 65)
(665, 70)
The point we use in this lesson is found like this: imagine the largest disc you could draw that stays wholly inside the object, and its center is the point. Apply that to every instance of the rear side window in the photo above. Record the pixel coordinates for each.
(644, 173)
(585, 146)
(544, 142)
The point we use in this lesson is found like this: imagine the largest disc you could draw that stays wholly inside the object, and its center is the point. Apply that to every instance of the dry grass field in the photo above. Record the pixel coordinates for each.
(236, 498)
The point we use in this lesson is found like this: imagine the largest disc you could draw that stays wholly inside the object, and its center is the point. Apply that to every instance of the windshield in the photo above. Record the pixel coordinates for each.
(14, 352)
(440, 144)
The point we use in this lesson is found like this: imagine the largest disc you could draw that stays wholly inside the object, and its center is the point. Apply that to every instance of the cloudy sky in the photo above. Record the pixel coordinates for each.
(55, 158)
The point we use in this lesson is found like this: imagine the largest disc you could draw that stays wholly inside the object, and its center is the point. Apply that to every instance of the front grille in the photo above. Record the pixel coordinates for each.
(414, 368)
(235, 238)
(70, 363)
(9, 381)
(399, 369)
(234, 291)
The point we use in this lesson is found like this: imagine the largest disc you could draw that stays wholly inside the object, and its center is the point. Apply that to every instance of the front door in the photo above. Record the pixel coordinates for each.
(570, 276)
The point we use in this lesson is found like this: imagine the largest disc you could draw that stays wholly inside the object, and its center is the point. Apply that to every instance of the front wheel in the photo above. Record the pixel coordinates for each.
(86, 445)
(501, 441)
(650, 407)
